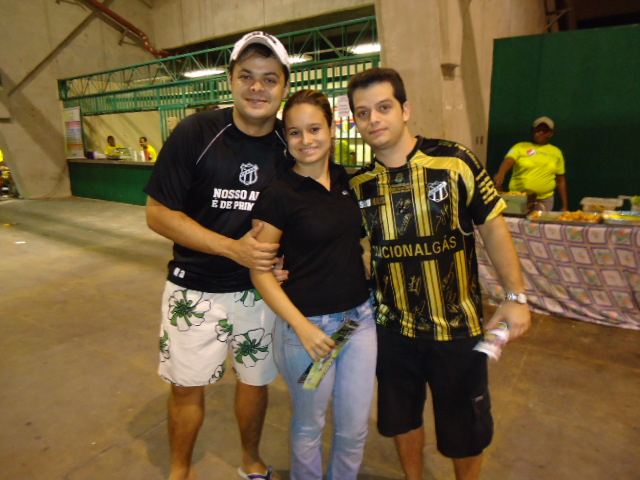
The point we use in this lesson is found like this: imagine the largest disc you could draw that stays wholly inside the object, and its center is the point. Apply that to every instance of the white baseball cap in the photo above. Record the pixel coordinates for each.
(546, 120)
(264, 39)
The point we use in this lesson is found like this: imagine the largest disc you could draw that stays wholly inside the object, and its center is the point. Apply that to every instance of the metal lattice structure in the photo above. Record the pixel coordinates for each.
(161, 85)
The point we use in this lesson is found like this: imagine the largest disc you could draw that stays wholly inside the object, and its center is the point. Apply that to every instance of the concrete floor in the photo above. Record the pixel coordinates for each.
(80, 400)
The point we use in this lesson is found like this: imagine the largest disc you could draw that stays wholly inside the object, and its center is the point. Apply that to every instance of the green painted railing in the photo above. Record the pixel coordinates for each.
(161, 85)
(156, 84)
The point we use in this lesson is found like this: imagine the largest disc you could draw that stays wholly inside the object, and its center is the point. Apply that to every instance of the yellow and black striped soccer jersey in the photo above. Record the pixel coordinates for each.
(420, 219)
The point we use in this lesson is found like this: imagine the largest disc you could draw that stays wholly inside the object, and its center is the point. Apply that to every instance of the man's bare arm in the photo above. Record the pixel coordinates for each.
(502, 253)
(180, 228)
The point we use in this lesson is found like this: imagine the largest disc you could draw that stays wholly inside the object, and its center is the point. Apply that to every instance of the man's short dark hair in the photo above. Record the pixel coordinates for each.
(263, 51)
(376, 75)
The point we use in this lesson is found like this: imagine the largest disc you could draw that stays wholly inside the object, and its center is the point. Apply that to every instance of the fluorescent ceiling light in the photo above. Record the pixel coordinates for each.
(299, 58)
(366, 48)
(203, 73)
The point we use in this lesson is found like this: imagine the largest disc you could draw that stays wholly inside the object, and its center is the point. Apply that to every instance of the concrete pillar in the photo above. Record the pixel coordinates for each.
(444, 51)
(410, 37)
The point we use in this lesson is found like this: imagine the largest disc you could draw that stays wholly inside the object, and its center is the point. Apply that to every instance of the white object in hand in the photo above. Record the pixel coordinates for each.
(494, 341)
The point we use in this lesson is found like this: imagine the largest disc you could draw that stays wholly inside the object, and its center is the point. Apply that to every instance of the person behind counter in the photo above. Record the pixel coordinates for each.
(112, 146)
(150, 153)
(538, 167)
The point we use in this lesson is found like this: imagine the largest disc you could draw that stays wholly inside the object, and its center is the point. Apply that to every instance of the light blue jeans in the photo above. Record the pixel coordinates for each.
(350, 379)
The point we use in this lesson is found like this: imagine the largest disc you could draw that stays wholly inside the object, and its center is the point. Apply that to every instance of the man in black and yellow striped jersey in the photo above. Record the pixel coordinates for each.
(420, 199)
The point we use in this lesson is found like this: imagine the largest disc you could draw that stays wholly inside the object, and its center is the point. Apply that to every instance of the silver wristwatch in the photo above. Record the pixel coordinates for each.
(516, 297)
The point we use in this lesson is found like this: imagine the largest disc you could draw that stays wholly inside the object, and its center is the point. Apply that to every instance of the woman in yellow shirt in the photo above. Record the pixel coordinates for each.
(538, 167)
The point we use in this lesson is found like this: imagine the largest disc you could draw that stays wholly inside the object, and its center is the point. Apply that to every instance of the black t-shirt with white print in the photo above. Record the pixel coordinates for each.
(213, 172)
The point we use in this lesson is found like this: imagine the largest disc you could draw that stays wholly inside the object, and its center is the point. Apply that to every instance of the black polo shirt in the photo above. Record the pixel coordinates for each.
(320, 240)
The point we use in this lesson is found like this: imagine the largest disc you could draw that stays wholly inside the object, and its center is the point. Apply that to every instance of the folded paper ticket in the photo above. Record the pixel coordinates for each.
(316, 371)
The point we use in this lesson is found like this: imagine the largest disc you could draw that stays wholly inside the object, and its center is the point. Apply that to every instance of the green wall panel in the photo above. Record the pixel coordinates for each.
(115, 182)
(587, 81)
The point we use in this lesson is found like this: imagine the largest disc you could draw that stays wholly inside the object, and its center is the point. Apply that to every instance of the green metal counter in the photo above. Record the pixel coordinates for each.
(113, 180)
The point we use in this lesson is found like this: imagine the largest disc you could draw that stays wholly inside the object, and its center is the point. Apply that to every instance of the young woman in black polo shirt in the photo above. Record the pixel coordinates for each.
(312, 213)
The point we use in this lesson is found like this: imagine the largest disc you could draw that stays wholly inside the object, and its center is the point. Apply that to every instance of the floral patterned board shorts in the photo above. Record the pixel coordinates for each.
(200, 329)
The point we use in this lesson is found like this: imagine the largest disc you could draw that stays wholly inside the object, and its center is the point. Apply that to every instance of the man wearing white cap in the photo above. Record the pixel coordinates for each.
(538, 167)
(207, 177)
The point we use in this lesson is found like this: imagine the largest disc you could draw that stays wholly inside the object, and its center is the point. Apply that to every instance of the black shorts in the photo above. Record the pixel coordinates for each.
(458, 379)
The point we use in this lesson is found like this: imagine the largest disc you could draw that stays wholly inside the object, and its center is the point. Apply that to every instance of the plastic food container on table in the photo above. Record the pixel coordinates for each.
(518, 204)
(598, 204)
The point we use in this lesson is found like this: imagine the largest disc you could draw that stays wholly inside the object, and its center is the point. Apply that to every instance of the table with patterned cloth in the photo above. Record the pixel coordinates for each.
(589, 273)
